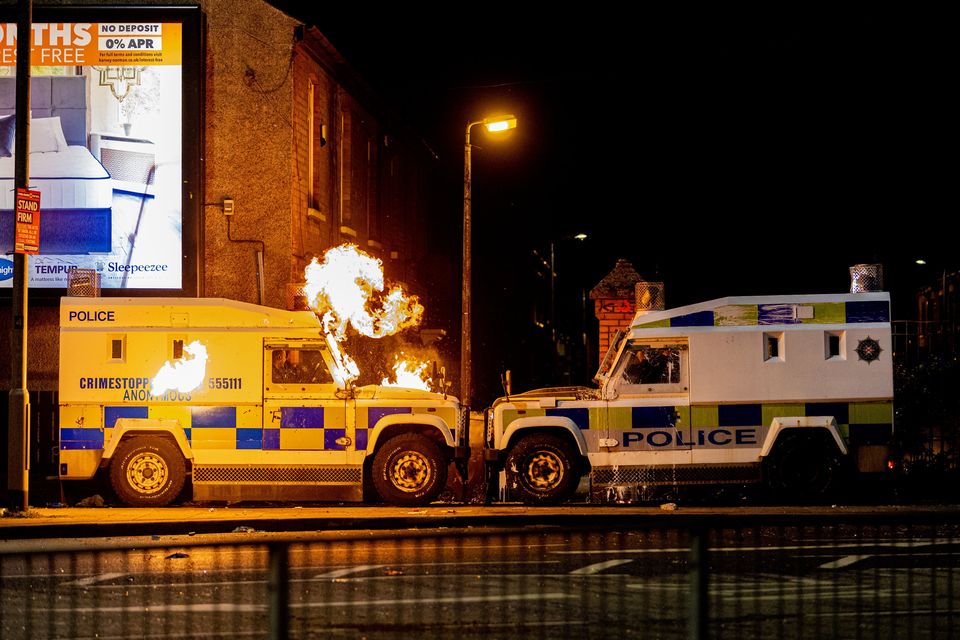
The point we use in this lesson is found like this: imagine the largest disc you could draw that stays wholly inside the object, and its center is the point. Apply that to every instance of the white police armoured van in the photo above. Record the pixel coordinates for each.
(784, 390)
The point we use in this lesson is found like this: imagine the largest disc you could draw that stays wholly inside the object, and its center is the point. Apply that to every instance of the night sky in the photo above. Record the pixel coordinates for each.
(723, 153)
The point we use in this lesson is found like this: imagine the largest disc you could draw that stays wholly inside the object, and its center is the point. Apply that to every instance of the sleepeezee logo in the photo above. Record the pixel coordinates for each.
(6, 269)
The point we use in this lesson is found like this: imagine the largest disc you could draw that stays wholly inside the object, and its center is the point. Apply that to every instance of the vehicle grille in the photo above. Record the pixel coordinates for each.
(282, 475)
(670, 475)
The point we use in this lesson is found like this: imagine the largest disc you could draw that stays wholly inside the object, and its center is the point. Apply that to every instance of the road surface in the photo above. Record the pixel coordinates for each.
(784, 582)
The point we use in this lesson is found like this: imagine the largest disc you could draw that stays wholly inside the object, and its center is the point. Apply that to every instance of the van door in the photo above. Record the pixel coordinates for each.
(303, 408)
(652, 382)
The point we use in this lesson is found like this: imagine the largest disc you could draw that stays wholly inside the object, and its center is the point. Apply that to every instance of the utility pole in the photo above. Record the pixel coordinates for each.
(18, 423)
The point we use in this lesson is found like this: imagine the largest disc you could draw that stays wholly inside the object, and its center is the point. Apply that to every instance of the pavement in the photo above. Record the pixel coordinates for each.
(126, 521)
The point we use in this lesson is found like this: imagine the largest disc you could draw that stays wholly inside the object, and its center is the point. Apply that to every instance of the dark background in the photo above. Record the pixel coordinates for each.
(723, 152)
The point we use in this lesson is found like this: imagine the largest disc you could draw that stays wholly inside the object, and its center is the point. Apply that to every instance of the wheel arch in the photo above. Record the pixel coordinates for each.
(432, 427)
(553, 425)
(811, 425)
(160, 427)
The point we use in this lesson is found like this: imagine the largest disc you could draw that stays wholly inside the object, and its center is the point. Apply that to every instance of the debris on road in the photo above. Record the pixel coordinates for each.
(95, 500)
(668, 506)
(243, 529)
(176, 556)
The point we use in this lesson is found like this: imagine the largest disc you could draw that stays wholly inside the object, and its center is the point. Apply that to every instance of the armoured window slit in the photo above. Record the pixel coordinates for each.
(773, 347)
(116, 347)
(834, 345)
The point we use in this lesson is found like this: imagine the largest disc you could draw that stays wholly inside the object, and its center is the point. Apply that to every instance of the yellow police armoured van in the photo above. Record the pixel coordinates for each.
(785, 390)
(241, 402)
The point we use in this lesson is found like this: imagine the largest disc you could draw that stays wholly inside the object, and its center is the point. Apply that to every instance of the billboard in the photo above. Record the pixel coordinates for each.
(109, 96)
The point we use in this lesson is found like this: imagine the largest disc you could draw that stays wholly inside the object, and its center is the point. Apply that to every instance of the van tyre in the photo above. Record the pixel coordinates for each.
(147, 472)
(541, 469)
(409, 470)
(802, 468)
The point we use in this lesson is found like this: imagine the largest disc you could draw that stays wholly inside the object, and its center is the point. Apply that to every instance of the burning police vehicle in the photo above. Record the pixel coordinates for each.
(245, 402)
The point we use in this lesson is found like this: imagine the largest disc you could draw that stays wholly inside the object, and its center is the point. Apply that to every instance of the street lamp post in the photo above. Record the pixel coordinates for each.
(553, 283)
(18, 420)
(493, 125)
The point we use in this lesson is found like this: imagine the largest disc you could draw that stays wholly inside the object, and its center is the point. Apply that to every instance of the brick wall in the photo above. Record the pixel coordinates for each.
(249, 138)
(613, 314)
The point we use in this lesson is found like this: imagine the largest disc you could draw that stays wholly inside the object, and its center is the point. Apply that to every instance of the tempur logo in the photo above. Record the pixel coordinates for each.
(54, 268)
(6, 269)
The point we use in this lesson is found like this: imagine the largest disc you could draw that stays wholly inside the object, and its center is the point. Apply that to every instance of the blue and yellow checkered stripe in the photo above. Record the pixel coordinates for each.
(310, 428)
(851, 312)
(858, 422)
(205, 427)
(320, 428)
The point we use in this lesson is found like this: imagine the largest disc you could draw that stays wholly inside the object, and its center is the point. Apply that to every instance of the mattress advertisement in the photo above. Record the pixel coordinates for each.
(105, 152)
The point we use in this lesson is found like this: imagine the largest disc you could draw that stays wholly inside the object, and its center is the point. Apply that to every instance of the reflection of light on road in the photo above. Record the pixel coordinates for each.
(345, 571)
(229, 607)
(103, 577)
(592, 569)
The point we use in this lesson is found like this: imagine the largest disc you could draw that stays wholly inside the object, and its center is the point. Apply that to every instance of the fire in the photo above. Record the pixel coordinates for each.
(345, 364)
(342, 289)
(408, 373)
(184, 374)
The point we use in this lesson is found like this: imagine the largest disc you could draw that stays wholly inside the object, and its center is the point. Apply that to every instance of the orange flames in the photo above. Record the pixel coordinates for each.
(344, 290)
(184, 374)
(408, 373)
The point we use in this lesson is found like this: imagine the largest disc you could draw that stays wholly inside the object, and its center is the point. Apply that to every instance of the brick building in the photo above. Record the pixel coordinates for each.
(352, 173)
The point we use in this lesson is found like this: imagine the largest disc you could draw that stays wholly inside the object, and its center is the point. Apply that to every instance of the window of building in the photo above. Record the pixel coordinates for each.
(374, 216)
(311, 159)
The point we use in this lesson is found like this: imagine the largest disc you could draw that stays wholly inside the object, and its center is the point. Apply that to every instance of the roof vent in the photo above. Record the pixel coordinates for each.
(83, 283)
(866, 277)
(296, 297)
(649, 296)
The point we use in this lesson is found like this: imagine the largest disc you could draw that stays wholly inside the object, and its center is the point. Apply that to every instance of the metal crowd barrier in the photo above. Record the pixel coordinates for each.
(689, 576)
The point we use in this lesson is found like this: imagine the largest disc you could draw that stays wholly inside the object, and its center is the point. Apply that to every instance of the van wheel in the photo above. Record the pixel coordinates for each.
(147, 472)
(409, 470)
(802, 468)
(540, 470)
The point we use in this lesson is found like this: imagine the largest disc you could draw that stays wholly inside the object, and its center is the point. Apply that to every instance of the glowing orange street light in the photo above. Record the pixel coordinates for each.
(493, 124)
(500, 123)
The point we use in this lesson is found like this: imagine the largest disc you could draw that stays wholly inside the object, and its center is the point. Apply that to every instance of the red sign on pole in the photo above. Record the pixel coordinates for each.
(27, 239)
